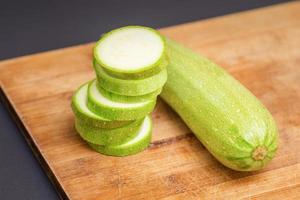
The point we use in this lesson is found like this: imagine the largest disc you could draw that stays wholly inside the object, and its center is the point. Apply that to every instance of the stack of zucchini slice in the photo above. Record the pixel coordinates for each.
(113, 111)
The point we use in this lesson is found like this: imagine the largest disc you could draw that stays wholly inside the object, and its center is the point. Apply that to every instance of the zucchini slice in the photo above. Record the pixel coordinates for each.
(130, 50)
(134, 87)
(115, 136)
(86, 116)
(114, 110)
(128, 99)
(137, 144)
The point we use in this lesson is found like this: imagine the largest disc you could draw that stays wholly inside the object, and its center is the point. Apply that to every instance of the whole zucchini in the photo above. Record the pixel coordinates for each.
(225, 116)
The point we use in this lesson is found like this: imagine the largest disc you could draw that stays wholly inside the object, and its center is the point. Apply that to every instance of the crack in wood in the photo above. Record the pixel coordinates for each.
(169, 141)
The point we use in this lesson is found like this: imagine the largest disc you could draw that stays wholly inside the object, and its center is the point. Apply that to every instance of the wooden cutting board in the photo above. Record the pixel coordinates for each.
(261, 48)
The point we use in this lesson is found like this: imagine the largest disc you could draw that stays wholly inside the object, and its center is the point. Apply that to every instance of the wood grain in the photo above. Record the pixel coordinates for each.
(261, 48)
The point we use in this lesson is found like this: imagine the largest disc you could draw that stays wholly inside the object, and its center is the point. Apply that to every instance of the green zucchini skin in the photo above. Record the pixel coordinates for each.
(130, 147)
(225, 116)
(141, 75)
(86, 116)
(132, 87)
(102, 136)
(129, 99)
(130, 111)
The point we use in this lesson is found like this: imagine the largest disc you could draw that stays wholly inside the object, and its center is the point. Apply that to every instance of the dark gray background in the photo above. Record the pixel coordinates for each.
(28, 26)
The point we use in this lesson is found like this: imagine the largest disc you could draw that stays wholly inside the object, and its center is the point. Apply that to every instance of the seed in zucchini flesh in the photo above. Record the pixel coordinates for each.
(130, 49)
(114, 110)
(137, 144)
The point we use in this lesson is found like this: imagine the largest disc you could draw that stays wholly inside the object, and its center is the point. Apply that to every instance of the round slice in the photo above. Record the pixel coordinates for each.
(114, 110)
(127, 99)
(135, 87)
(115, 136)
(137, 144)
(86, 116)
(130, 50)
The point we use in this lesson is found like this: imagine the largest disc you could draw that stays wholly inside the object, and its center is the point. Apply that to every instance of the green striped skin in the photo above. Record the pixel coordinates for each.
(136, 145)
(115, 136)
(128, 99)
(86, 116)
(136, 87)
(141, 75)
(113, 110)
(144, 71)
(225, 116)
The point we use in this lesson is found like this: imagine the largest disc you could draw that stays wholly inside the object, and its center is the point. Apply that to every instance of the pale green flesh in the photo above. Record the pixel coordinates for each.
(223, 114)
(130, 50)
(136, 87)
(86, 116)
(133, 146)
(115, 136)
(129, 99)
(114, 110)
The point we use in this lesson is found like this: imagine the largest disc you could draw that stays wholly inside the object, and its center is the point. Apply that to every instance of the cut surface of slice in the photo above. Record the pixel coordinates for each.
(115, 136)
(86, 116)
(134, 87)
(128, 99)
(114, 110)
(130, 49)
(137, 144)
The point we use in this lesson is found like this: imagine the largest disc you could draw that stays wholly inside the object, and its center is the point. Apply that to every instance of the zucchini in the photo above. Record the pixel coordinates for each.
(225, 116)
(86, 116)
(133, 87)
(114, 110)
(130, 50)
(137, 144)
(102, 136)
(128, 99)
